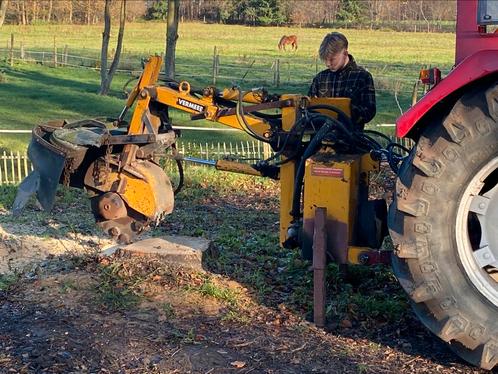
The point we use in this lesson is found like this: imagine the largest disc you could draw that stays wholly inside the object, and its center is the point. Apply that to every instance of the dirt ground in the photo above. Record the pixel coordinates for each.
(54, 324)
(69, 310)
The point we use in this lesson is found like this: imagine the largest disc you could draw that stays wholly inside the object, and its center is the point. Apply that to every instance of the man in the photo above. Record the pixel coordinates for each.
(344, 78)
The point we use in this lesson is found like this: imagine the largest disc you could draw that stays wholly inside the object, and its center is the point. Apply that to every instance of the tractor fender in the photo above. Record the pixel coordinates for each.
(470, 70)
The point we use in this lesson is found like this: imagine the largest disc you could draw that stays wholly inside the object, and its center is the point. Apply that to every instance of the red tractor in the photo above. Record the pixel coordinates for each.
(444, 219)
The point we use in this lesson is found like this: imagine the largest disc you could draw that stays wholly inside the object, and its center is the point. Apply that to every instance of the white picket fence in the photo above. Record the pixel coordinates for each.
(14, 166)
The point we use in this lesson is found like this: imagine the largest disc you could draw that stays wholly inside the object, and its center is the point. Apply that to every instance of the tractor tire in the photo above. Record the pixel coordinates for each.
(444, 225)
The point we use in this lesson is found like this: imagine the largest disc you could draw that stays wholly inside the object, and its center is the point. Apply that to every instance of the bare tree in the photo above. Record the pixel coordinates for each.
(49, 12)
(23, 13)
(70, 12)
(322, 13)
(171, 37)
(105, 75)
(3, 9)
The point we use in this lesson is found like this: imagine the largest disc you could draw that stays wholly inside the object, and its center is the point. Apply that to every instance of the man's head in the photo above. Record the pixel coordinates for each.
(334, 51)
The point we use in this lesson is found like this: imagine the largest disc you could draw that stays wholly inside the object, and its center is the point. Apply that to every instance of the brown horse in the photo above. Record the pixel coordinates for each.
(291, 39)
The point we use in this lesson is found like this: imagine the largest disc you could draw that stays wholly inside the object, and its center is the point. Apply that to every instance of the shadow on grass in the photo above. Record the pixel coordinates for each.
(47, 94)
(240, 215)
(243, 224)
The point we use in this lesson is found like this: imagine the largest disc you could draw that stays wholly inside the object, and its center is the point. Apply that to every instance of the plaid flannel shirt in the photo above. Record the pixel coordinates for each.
(352, 81)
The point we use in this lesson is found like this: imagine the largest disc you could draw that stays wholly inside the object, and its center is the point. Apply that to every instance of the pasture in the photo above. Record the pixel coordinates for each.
(32, 93)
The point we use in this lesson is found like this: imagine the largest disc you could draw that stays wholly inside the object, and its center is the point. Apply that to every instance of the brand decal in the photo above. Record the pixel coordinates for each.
(322, 171)
(190, 105)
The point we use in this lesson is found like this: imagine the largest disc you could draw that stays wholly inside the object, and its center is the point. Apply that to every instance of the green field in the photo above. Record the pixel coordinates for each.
(32, 93)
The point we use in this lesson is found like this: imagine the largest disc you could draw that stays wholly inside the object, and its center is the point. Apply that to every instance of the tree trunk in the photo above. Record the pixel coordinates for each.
(70, 20)
(171, 37)
(88, 11)
(34, 17)
(18, 12)
(23, 12)
(49, 13)
(3, 10)
(106, 35)
(107, 76)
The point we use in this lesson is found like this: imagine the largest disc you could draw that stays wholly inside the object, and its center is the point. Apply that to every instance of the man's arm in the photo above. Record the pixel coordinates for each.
(363, 106)
(313, 90)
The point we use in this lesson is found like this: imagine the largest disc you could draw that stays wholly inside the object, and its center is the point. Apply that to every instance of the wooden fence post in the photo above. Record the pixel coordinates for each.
(215, 67)
(12, 49)
(273, 68)
(277, 72)
(65, 54)
(217, 64)
(55, 54)
(22, 51)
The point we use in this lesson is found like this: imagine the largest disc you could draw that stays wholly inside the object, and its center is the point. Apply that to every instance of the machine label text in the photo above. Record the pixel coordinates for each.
(190, 105)
(322, 171)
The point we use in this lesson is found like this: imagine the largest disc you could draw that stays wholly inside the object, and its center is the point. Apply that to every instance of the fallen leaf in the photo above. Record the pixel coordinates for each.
(346, 323)
(238, 364)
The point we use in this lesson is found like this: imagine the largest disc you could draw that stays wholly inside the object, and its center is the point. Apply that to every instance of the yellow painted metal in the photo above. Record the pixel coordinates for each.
(287, 171)
(354, 254)
(331, 181)
(254, 96)
(143, 185)
(147, 78)
(139, 195)
(236, 167)
(136, 122)
(341, 103)
(161, 191)
(137, 192)
(369, 164)
(194, 105)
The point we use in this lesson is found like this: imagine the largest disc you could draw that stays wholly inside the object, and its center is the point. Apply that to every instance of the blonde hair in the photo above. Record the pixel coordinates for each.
(332, 43)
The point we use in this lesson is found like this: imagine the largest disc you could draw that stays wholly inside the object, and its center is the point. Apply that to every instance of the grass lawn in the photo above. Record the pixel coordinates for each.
(30, 94)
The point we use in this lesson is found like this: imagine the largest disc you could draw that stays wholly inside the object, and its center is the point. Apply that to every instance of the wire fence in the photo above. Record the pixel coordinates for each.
(270, 72)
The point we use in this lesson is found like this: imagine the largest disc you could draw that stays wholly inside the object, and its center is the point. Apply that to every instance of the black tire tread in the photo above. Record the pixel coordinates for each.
(418, 222)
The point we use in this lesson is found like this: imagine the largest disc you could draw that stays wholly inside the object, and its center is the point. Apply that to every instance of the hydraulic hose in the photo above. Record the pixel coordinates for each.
(341, 116)
(180, 171)
(242, 120)
(310, 151)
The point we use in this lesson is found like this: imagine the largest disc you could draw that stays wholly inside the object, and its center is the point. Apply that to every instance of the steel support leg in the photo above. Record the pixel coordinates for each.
(319, 266)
